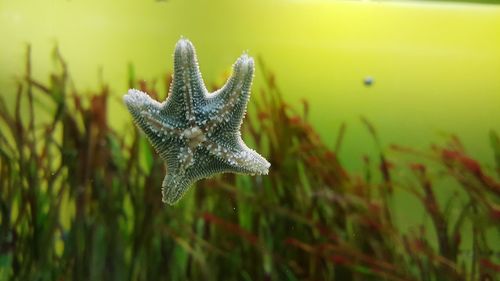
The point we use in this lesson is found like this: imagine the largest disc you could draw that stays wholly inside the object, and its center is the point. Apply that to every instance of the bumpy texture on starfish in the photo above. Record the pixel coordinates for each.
(195, 132)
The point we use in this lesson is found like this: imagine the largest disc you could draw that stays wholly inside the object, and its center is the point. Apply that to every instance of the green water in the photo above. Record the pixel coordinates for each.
(436, 67)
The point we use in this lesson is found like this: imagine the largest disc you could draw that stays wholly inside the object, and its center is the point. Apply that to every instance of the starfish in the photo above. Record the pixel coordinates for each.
(195, 132)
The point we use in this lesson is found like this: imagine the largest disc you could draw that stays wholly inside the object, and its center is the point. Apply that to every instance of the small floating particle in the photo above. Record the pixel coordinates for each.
(368, 81)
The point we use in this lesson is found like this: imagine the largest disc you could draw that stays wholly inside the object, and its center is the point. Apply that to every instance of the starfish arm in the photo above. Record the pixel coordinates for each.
(232, 151)
(178, 163)
(177, 181)
(140, 105)
(173, 187)
(228, 105)
(145, 113)
(187, 95)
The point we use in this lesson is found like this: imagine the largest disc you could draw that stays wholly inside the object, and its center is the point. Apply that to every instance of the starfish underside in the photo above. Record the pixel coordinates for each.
(195, 132)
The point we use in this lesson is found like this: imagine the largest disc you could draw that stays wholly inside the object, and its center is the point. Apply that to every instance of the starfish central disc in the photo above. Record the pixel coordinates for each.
(194, 136)
(197, 133)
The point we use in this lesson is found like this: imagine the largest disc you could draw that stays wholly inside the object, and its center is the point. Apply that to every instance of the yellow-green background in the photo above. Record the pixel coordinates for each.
(436, 66)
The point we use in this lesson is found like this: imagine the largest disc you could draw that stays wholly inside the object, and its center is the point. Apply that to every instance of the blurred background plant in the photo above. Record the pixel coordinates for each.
(80, 200)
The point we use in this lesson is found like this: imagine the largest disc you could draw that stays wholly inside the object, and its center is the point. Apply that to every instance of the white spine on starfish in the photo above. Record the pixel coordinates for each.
(157, 126)
(186, 159)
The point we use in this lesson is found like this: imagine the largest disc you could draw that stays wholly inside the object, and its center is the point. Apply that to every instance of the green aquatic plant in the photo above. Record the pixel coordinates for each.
(79, 200)
(495, 145)
(195, 132)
